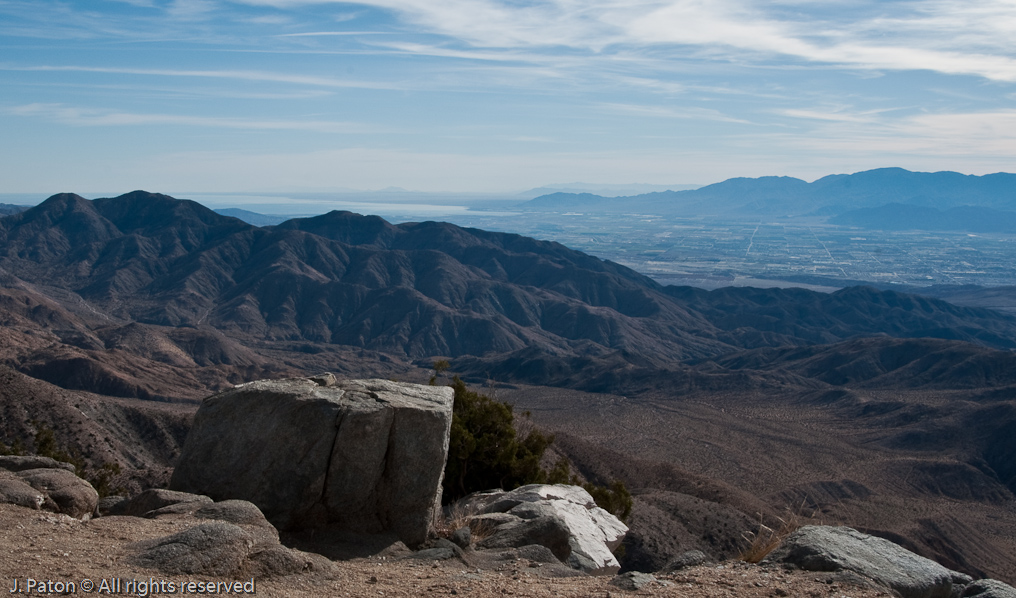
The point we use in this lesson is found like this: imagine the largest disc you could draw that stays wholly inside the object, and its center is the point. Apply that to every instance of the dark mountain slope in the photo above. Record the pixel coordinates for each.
(771, 317)
(423, 289)
(419, 289)
(7, 209)
(886, 363)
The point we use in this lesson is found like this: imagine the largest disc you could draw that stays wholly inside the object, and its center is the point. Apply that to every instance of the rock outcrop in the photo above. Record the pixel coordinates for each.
(563, 518)
(361, 455)
(43, 483)
(824, 548)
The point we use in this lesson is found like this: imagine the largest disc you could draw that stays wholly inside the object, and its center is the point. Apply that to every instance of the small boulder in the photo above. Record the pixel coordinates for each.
(66, 492)
(233, 539)
(824, 548)
(537, 554)
(462, 537)
(988, 588)
(692, 558)
(217, 549)
(279, 561)
(438, 550)
(551, 532)
(16, 492)
(158, 501)
(632, 581)
(24, 462)
(108, 505)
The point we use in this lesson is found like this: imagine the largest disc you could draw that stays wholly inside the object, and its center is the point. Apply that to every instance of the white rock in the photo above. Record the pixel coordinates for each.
(594, 532)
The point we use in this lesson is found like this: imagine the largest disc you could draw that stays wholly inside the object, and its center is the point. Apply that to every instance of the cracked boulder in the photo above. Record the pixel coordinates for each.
(359, 455)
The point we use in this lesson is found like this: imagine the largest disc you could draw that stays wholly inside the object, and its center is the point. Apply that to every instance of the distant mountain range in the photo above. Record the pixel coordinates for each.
(419, 289)
(255, 218)
(606, 190)
(784, 196)
(7, 209)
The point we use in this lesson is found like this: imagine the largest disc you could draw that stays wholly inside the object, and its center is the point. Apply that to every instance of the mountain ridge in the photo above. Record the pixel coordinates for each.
(782, 196)
(422, 289)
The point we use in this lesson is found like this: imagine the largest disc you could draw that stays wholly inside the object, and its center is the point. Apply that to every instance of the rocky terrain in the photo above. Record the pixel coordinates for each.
(57, 548)
(545, 532)
(889, 412)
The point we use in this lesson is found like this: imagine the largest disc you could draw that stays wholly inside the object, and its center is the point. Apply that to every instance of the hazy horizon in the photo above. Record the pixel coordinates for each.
(489, 96)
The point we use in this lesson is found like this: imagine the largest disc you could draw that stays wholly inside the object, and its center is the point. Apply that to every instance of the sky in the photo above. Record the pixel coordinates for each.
(495, 96)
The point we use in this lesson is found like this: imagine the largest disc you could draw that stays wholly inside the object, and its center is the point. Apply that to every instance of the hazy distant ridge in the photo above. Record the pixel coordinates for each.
(780, 196)
(7, 209)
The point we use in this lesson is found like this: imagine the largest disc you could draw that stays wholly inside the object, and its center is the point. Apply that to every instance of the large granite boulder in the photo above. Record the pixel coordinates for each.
(563, 518)
(824, 548)
(362, 455)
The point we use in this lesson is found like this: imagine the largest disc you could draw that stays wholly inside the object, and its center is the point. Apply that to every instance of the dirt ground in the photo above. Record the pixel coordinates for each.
(41, 550)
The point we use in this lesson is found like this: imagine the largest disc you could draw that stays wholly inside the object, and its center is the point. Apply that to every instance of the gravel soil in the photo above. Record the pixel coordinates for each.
(46, 547)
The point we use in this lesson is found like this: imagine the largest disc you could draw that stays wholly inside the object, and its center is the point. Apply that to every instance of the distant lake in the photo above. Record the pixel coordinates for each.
(386, 206)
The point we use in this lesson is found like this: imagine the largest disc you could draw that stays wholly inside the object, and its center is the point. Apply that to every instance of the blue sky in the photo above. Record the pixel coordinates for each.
(495, 96)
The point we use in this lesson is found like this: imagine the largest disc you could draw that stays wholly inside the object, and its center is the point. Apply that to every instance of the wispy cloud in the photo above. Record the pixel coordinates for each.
(688, 112)
(940, 35)
(245, 75)
(330, 33)
(84, 117)
(954, 134)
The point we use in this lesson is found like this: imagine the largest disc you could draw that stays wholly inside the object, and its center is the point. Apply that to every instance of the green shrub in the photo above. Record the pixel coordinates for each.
(614, 498)
(485, 450)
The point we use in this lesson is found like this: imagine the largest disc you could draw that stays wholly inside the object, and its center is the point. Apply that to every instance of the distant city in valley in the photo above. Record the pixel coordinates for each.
(804, 251)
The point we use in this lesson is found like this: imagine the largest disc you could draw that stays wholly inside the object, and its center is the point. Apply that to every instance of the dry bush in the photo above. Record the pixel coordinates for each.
(461, 515)
(765, 539)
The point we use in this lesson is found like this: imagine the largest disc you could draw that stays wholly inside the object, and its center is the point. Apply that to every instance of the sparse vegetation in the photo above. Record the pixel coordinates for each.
(440, 366)
(767, 538)
(45, 444)
(458, 516)
(102, 479)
